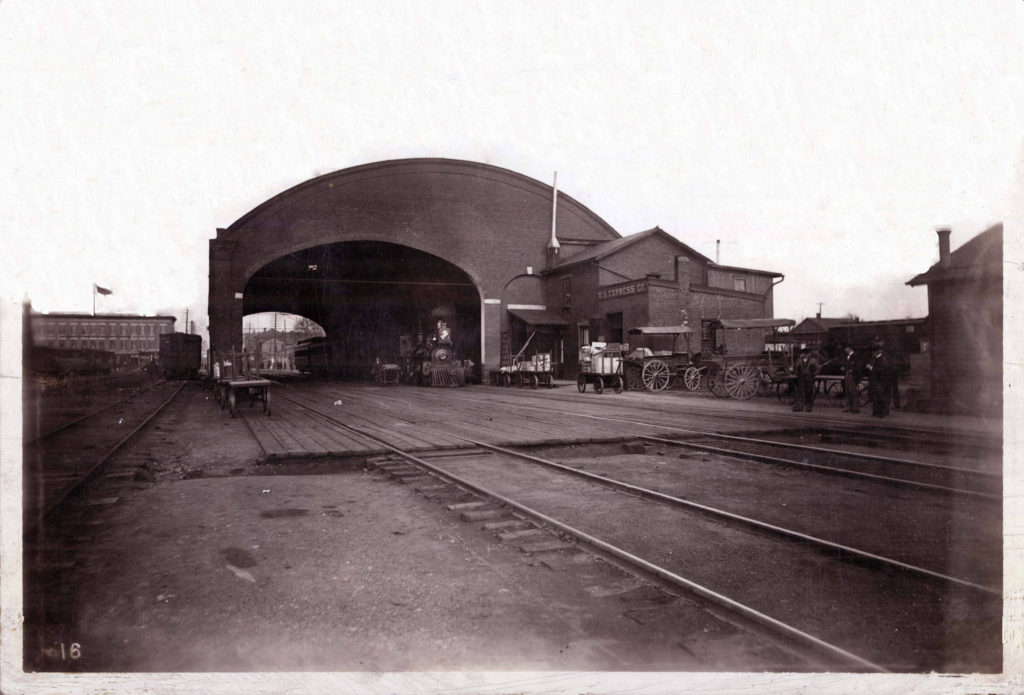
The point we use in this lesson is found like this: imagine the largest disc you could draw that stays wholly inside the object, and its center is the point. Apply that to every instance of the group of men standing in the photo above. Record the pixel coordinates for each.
(883, 385)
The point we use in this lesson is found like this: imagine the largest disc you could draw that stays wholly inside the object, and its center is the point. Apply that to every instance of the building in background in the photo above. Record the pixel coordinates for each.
(648, 279)
(134, 339)
(965, 308)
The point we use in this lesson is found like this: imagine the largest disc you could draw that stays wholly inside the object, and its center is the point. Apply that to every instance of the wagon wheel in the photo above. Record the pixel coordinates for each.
(836, 393)
(599, 385)
(716, 381)
(862, 394)
(634, 380)
(768, 381)
(692, 378)
(506, 379)
(581, 383)
(533, 381)
(231, 402)
(266, 401)
(741, 381)
(656, 375)
(618, 384)
(517, 380)
(786, 392)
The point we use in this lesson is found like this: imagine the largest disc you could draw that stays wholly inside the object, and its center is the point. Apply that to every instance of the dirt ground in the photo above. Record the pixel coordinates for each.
(214, 560)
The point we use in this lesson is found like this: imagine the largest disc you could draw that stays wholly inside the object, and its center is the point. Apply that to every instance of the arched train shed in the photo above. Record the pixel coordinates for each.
(373, 250)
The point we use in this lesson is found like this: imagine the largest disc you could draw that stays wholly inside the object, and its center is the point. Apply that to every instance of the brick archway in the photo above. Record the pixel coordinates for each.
(491, 223)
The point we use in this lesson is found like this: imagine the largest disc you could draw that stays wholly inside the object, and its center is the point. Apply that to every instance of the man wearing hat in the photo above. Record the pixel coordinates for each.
(851, 379)
(806, 369)
(879, 384)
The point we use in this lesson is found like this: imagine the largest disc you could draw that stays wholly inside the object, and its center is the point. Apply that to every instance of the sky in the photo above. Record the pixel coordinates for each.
(823, 140)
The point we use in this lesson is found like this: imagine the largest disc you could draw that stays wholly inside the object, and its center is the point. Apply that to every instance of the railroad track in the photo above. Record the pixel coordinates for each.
(898, 471)
(871, 613)
(63, 460)
(56, 468)
(826, 417)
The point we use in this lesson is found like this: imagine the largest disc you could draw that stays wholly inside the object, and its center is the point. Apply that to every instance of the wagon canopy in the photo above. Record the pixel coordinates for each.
(660, 330)
(756, 323)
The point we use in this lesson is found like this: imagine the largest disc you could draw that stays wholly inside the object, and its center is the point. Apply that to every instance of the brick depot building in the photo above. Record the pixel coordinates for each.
(378, 251)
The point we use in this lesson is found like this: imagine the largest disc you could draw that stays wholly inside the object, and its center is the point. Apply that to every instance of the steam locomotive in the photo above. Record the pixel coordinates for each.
(429, 360)
(433, 362)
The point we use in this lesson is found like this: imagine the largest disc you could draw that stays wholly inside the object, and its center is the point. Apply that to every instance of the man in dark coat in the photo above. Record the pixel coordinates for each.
(806, 369)
(879, 382)
(851, 379)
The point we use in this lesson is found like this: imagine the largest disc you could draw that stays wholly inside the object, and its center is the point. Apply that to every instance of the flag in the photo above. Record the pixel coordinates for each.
(101, 290)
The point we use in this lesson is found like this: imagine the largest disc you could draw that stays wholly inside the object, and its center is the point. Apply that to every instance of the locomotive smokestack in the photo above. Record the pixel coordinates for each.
(943, 247)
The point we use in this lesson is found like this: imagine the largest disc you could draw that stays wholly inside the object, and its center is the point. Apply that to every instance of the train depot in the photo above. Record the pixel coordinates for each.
(378, 255)
(362, 524)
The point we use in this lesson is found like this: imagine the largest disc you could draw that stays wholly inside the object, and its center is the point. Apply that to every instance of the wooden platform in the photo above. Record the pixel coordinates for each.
(415, 419)
(426, 419)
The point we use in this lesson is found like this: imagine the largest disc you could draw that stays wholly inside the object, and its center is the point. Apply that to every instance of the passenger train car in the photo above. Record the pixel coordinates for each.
(313, 356)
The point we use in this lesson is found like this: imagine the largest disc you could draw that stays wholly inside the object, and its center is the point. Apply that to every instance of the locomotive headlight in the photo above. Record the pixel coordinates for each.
(444, 334)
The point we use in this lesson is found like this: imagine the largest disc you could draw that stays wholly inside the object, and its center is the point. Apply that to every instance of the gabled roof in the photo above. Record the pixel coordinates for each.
(817, 325)
(607, 248)
(983, 253)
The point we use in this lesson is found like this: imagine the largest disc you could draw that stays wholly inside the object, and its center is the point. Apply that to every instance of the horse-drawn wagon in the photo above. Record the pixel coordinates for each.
(659, 362)
(737, 366)
(743, 362)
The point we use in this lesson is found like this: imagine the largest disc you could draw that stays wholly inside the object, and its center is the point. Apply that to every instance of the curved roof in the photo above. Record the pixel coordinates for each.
(425, 166)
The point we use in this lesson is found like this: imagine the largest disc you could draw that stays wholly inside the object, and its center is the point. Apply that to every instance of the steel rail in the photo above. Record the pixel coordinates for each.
(89, 474)
(85, 417)
(702, 591)
(764, 458)
(803, 447)
(789, 533)
(788, 462)
(830, 420)
(764, 526)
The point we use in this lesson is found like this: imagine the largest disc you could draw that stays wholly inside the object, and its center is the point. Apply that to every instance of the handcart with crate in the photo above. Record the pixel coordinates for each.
(601, 367)
(533, 371)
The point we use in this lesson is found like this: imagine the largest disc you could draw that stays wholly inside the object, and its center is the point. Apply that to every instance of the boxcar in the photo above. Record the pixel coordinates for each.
(180, 355)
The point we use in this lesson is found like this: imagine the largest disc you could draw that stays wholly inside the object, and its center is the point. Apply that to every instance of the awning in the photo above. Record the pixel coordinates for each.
(660, 330)
(756, 323)
(539, 317)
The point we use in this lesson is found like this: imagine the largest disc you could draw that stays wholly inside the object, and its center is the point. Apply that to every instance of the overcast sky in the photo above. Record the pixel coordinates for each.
(823, 140)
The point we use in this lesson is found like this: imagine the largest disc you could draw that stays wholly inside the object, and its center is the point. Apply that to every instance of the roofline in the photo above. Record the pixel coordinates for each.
(480, 167)
(770, 273)
(85, 315)
(629, 241)
(638, 236)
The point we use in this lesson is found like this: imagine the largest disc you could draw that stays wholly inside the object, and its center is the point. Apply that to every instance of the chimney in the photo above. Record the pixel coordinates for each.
(553, 246)
(683, 271)
(943, 247)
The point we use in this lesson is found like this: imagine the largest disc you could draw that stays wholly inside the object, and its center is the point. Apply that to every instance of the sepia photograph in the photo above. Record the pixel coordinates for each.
(493, 348)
